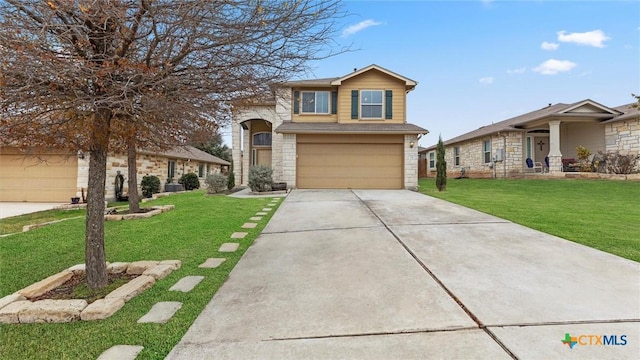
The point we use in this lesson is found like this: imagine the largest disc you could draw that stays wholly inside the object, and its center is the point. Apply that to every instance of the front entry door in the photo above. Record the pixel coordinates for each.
(541, 146)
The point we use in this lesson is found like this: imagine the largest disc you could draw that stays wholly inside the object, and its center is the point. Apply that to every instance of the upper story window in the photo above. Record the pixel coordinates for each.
(371, 104)
(486, 150)
(262, 139)
(315, 102)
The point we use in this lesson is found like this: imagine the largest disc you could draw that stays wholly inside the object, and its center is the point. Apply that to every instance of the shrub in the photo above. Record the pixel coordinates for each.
(441, 167)
(231, 181)
(583, 158)
(617, 163)
(216, 183)
(190, 181)
(260, 178)
(150, 185)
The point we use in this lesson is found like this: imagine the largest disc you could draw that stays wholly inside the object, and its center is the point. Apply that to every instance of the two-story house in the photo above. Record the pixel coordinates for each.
(335, 133)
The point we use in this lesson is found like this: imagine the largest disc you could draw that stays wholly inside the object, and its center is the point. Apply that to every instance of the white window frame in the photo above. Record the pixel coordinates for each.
(381, 104)
(456, 156)
(316, 102)
(529, 147)
(201, 172)
(486, 154)
(171, 169)
(432, 159)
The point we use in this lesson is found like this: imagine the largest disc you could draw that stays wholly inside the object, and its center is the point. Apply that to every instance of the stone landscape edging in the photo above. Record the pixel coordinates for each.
(17, 308)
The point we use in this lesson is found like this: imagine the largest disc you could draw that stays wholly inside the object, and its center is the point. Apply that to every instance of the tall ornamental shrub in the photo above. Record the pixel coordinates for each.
(441, 167)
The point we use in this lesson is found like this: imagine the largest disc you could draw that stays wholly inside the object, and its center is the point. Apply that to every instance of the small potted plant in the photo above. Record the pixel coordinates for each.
(75, 200)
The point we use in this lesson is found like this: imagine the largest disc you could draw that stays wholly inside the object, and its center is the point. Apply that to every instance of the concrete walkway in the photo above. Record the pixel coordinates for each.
(399, 275)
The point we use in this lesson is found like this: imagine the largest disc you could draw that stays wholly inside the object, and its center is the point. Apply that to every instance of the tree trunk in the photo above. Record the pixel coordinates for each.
(134, 197)
(94, 255)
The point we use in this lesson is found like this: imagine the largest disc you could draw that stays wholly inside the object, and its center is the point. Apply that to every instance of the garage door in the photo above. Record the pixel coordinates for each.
(349, 162)
(27, 179)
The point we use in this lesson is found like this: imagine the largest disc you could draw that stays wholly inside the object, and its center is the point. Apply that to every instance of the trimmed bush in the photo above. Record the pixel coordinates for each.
(150, 185)
(260, 178)
(617, 163)
(231, 181)
(189, 181)
(216, 183)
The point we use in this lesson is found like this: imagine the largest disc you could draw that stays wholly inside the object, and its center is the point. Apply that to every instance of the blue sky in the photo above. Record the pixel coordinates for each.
(478, 62)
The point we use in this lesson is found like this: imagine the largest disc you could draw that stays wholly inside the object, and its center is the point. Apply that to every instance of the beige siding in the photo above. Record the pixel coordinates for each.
(372, 80)
(572, 135)
(313, 117)
(48, 176)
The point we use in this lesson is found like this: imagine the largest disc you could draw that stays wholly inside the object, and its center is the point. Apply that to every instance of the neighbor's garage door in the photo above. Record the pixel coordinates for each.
(350, 161)
(27, 179)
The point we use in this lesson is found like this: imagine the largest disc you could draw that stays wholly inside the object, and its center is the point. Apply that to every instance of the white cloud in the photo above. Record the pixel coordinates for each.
(516, 71)
(486, 80)
(594, 38)
(553, 66)
(359, 27)
(549, 46)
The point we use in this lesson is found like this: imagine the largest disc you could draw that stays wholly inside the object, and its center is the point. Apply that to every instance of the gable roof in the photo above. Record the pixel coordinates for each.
(629, 111)
(337, 81)
(189, 153)
(557, 110)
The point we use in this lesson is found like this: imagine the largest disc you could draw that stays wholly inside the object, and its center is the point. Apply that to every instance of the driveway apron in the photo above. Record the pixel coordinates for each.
(377, 274)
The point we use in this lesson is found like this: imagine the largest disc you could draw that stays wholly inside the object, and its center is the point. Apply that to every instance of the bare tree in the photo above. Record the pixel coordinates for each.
(87, 75)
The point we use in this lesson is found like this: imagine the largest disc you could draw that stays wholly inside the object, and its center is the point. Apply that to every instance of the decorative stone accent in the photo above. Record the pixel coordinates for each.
(146, 215)
(261, 213)
(101, 309)
(249, 225)
(117, 267)
(187, 283)
(161, 312)
(16, 308)
(175, 263)
(36, 226)
(52, 311)
(112, 217)
(212, 263)
(159, 271)
(139, 267)
(156, 211)
(267, 209)
(166, 208)
(255, 218)
(121, 352)
(78, 269)
(131, 289)
(10, 299)
(46, 285)
(9, 313)
(239, 235)
(229, 247)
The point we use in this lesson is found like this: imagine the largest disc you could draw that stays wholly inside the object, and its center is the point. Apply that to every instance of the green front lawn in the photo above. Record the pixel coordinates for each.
(14, 224)
(191, 233)
(598, 213)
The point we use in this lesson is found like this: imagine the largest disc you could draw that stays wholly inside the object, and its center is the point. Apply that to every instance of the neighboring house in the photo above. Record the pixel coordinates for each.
(343, 132)
(501, 149)
(47, 175)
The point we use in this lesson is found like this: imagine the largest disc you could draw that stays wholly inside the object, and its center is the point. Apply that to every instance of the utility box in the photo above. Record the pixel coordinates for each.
(500, 155)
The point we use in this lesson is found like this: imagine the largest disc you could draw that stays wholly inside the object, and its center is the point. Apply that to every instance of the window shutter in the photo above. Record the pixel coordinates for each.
(354, 104)
(388, 107)
(296, 102)
(334, 102)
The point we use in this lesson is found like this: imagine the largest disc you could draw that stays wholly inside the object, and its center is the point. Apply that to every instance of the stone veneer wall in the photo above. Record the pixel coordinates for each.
(147, 164)
(623, 136)
(289, 159)
(472, 157)
(411, 162)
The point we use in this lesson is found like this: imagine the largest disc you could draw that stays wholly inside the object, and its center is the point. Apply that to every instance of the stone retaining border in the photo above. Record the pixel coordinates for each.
(16, 308)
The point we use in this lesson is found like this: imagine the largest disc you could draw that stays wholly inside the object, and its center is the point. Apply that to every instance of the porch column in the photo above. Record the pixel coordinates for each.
(555, 156)
(247, 154)
(236, 151)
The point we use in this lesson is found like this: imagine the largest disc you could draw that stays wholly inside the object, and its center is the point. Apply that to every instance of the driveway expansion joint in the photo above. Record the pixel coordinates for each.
(318, 230)
(383, 333)
(569, 322)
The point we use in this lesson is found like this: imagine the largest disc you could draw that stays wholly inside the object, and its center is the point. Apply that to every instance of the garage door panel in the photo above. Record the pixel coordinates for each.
(28, 179)
(357, 164)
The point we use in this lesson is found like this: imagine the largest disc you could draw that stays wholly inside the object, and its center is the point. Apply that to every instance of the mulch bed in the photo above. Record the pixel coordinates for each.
(66, 290)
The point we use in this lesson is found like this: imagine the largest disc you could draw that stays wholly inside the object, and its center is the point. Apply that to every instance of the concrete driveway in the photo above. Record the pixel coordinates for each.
(398, 275)
(9, 209)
